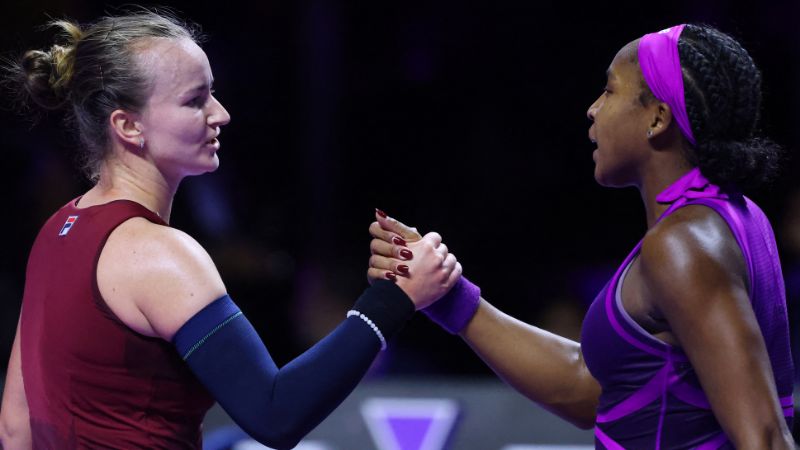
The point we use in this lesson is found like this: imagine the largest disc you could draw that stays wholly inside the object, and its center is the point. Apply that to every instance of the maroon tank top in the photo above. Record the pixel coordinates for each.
(90, 381)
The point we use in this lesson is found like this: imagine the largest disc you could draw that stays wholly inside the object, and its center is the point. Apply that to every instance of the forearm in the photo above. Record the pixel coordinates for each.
(544, 367)
(275, 406)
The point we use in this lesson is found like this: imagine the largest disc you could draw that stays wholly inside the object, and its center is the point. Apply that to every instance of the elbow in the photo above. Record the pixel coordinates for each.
(278, 441)
(584, 423)
(774, 438)
(279, 434)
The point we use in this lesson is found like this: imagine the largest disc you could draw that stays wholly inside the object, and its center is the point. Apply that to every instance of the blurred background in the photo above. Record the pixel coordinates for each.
(467, 118)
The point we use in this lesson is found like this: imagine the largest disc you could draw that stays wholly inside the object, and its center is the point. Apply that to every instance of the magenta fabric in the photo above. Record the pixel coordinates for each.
(661, 69)
(651, 396)
(454, 311)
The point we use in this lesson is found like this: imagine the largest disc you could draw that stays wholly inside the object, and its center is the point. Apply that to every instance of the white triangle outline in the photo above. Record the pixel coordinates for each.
(442, 413)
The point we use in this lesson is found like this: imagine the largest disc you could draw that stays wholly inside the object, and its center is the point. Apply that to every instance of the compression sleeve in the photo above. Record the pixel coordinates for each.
(279, 406)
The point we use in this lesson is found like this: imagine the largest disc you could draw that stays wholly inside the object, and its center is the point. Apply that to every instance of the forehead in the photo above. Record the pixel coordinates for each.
(174, 65)
(625, 64)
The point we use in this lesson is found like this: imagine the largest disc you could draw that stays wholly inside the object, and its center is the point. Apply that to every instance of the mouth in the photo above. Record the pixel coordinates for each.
(214, 142)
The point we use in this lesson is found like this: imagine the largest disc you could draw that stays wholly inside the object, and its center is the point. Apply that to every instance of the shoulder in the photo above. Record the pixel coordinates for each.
(690, 252)
(159, 272)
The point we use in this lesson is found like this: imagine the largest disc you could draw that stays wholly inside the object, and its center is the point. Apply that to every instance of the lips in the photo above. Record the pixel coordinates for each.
(213, 140)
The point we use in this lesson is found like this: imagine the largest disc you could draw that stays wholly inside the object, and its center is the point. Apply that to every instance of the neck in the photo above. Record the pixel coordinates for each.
(655, 181)
(131, 177)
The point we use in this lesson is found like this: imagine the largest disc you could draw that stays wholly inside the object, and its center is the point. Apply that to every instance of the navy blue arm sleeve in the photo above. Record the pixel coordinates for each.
(279, 406)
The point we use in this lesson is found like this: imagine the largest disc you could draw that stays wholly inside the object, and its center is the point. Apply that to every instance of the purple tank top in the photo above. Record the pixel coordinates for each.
(651, 397)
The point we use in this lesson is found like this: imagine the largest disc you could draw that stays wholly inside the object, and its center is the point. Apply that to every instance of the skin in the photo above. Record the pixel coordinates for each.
(688, 286)
(154, 278)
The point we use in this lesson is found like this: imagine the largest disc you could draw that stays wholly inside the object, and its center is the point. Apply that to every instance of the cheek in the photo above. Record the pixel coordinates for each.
(181, 126)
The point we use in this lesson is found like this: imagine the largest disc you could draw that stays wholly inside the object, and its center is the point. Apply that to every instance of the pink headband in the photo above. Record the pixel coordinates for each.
(661, 68)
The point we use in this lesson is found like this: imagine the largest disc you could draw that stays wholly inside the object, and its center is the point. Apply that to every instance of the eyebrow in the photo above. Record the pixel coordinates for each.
(199, 88)
(610, 74)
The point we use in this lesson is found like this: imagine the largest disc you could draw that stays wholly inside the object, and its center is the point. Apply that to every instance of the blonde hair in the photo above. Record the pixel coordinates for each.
(92, 70)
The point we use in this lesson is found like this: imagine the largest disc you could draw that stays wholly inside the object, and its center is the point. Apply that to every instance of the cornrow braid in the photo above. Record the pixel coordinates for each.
(722, 88)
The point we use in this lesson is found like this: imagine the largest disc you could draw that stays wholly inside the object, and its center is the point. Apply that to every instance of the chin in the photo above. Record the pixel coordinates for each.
(212, 165)
(608, 180)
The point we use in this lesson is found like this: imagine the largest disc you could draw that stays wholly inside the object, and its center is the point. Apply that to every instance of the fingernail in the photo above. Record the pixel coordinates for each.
(381, 213)
(391, 276)
(402, 268)
(406, 253)
(397, 240)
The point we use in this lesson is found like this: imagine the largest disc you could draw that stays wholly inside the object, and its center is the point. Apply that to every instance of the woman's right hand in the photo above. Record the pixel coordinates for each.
(423, 268)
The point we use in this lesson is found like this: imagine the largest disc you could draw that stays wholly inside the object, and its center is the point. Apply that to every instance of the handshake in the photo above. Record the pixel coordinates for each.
(424, 269)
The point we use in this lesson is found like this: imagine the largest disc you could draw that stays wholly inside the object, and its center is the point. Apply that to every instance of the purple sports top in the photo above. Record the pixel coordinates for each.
(651, 397)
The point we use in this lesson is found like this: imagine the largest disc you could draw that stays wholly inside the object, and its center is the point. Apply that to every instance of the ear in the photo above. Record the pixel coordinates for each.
(126, 127)
(660, 118)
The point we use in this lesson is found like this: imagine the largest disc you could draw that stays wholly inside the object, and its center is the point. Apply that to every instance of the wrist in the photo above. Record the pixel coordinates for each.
(456, 308)
(385, 308)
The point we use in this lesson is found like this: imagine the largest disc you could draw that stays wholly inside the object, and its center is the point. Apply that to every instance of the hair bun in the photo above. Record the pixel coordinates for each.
(38, 72)
(45, 75)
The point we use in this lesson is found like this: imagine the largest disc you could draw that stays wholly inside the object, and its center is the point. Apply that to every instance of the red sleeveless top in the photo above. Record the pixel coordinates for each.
(90, 381)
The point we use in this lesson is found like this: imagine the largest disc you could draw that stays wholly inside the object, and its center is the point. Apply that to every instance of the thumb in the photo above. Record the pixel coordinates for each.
(410, 234)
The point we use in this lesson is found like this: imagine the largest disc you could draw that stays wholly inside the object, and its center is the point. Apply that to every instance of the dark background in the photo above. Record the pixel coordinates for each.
(468, 118)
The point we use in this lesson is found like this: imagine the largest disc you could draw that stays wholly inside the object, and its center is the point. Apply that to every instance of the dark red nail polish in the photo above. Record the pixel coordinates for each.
(391, 276)
(381, 213)
(397, 240)
(406, 253)
(402, 268)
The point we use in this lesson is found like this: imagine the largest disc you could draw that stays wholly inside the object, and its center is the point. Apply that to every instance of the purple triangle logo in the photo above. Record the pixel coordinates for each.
(410, 424)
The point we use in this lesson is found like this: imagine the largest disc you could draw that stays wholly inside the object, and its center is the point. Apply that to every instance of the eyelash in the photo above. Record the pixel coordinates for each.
(200, 100)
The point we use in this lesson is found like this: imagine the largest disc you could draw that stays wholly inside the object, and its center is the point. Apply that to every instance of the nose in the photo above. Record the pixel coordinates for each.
(592, 111)
(218, 115)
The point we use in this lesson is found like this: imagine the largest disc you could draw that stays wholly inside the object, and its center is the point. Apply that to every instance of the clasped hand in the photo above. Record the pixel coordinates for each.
(421, 266)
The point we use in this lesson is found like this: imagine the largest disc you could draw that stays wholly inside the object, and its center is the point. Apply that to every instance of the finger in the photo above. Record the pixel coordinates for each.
(383, 248)
(454, 275)
(410, 234)
(434, 237)
(399, 267)
(378, 274)
(383, 263)
(377, 232)
(450, 262)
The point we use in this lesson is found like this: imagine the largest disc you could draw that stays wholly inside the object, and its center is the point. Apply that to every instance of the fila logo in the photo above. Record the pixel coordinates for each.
(67, 225)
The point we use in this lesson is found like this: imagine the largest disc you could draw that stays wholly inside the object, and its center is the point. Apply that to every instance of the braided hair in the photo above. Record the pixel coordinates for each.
(722, 88)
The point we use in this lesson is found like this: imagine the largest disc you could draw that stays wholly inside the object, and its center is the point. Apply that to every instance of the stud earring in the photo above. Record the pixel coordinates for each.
(649, 133)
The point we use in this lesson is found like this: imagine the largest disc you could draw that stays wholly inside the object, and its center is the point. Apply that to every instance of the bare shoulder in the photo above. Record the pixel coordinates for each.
(154, 277)
(689, 253)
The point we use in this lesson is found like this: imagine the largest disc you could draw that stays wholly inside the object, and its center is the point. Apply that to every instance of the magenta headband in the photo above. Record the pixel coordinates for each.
(661, 68)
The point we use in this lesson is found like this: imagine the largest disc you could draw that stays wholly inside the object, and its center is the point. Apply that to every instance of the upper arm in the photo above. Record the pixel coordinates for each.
(15, 430)
(695, 273)
(155, 278)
